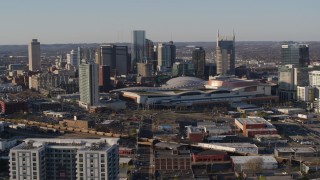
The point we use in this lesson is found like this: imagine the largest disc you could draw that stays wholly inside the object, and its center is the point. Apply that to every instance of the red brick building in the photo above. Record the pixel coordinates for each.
(252, 126)
(10, 107)
(123, 151)
(210, 156)
(194, 134)
(172, 160)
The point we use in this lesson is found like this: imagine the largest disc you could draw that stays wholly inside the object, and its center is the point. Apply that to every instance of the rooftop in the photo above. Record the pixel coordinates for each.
(176, 154)
(124, 160)
(233, 145)
(251, 120)
(296, 149)
(211, 152)
(244, 159)
(83, 144)
(168, 145)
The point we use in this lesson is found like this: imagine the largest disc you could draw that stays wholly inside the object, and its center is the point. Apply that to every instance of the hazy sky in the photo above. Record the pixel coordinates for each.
(89, 21)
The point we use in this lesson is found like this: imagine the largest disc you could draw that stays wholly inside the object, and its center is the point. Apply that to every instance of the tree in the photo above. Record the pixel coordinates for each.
(255, 164)
(262, 114)
(243, 115)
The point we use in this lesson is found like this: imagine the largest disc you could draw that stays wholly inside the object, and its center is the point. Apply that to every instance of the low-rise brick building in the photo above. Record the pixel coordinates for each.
(210, 156)
(10, 107)
(172, 160)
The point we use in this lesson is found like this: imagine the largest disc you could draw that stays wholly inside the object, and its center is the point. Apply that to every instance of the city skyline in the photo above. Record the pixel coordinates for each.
(180, 21)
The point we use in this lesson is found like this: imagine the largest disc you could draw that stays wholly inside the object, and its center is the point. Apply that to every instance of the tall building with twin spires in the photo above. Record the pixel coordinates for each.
(225, 55)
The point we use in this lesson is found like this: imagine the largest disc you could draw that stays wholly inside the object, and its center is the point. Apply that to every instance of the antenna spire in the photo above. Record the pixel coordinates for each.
(233, 35)
(218, 37)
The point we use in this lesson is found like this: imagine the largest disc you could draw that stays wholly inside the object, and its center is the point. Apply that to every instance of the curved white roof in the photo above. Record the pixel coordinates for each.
(172, 84)
(185, 81)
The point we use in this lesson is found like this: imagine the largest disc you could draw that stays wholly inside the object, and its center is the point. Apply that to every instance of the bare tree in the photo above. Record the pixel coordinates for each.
(255, 165)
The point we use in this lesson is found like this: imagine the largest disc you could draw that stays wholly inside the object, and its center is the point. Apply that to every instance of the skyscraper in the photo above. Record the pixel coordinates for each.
(72, 159)
(166, 56)
(72, 58)
(183, 69)
(296, 54)
(290, 77)
(104, 79)
(88, 84)
(145, 69)
(199, 61)
(116, 57)
(149, 50)
(173, 52)
(225, 55)
(138, 52)
(86, 54)
(293, 70)
(34, 55)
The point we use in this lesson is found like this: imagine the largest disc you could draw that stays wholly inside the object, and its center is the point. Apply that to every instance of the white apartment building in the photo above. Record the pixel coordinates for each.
(314, 78)
(74, 159)
(305, 93)
(72, 58)
(88, 84)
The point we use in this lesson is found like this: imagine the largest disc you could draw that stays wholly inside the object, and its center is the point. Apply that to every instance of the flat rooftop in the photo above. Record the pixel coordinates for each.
(169, 153)
(251, 120)
(296, 149)
(168, 145)
(233, 145)
(81, 144)
(244, 159)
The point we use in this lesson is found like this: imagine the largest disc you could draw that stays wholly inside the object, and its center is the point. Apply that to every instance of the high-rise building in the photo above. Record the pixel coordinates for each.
(290, 77)
(199, 61)
(88, 84)
(104, 79)
(314, 78)
(210, 70)
(149, 50)
(73, 159)
(173, 52)
(116, 57)
(183, 69)
(305, 93)
(225, 55)
(34, 55)
(293, 70)
(294, 53)
(145, 69)
(166, 56)
(138, 52)
(72, 58)
(86, 54)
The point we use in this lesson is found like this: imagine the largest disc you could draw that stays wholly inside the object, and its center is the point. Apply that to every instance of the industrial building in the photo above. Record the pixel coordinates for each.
(9, 106)
(172, 160)
(210, 156)
(252, 126)
(241, 163)
(242, 148)
(294, 152)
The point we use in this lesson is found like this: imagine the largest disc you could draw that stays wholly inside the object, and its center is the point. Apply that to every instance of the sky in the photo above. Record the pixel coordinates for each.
(109, 21)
